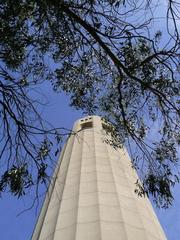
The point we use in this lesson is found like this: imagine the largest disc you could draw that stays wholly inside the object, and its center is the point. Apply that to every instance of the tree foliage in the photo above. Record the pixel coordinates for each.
(107, 56)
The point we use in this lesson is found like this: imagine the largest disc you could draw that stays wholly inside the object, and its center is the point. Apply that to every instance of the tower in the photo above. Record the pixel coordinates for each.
(91, 196)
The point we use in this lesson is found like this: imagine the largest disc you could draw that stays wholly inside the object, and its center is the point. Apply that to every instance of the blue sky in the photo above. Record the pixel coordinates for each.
(20, 227)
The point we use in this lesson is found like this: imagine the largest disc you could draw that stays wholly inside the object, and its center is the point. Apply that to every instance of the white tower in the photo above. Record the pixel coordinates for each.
(91, 196)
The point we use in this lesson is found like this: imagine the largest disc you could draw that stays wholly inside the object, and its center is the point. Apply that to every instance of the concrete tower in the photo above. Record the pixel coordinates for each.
(91, 196)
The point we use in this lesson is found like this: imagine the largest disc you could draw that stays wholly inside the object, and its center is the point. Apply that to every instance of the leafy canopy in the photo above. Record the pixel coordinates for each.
(108, 58)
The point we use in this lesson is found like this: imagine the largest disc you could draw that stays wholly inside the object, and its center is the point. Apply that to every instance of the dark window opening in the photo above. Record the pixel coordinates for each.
(86, 125)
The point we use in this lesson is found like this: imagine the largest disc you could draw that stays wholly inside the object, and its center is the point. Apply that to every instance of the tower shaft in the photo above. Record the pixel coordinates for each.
(91, 196)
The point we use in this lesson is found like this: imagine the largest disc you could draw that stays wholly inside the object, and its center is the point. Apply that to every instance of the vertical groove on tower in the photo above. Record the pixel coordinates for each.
(87, 213)
(46, 201)
(60, 216)
(137, 201)
(50, 221)
(67, 220)
(123, 181)
(48, 197)
(80, 182)
(124, 229)
(98, 190)
(135, 197)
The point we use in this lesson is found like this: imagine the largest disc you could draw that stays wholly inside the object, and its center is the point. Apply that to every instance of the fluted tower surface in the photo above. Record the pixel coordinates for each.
(91, 196)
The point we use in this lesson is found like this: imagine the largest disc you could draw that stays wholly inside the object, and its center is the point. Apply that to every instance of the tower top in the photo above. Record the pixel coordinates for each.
(93, 121)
